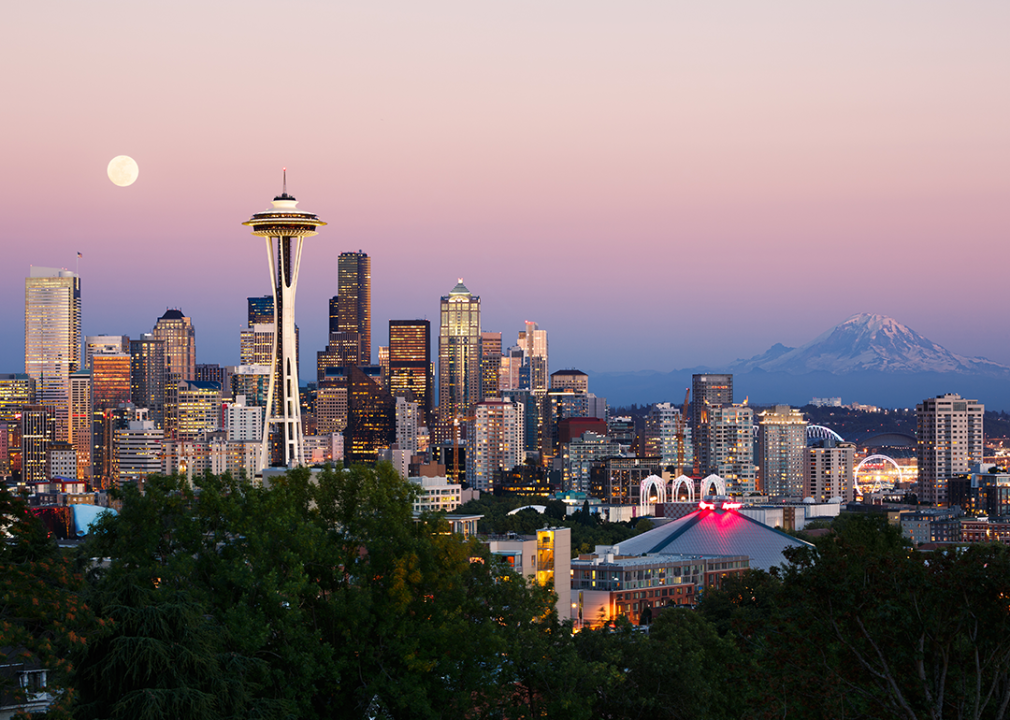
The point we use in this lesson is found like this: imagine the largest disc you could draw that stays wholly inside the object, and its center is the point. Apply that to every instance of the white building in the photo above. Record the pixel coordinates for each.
(949, 431)
(731, 447)
(406, 425)
(495, 441)
(242, 422)
(782, 443)
(828, 472)
(661, 436)
(437, 494)
(544, 558)
(138, 449)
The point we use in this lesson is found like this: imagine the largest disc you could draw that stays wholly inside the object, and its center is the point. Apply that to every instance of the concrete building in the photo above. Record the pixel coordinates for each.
(407, 419)
(494, 442)
(105, 345)
(437, 494)
(490, 365)
(949, 436)
(707, 393)
(571, 379)
(579, 455)
(661, 437)
(828, 471)
(730, 433)
(199, 409)
(243, 423)
(138, 450)
(782, 444)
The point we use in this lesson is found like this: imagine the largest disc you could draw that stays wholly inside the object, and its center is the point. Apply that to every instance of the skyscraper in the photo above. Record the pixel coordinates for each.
(410, 375)
(148, 377)
(104, 344)
(53, 338)
(371, 417)
(112, 385)
(828, 471)
(179, 336)
(79, 436)
(354, 302)
(782, 444)
(949, 435)
(707, 392)
(533, 341)
(458, 357)
(490, 365)
(284, 229)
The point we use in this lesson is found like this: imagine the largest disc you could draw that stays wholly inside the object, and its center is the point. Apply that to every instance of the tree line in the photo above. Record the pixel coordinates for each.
(325, 597)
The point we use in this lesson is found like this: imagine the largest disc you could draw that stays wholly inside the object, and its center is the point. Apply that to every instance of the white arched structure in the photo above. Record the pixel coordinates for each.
(873, 460)
(675, 488)
(715, 482)
(653, 481)
(819, 432)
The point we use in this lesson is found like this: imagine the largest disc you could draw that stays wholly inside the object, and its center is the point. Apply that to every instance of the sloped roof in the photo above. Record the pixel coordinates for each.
(715, 532)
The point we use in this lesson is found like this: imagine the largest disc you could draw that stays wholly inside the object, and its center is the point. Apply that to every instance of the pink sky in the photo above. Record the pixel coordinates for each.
(659, 185)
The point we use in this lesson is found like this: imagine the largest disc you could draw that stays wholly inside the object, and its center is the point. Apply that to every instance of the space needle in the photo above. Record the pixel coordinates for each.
(284, 227)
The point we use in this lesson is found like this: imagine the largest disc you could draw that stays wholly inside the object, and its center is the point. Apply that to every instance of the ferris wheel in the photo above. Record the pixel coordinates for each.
(876, 473)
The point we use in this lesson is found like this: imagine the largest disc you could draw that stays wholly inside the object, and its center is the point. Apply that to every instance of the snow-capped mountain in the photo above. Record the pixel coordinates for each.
(868, 342)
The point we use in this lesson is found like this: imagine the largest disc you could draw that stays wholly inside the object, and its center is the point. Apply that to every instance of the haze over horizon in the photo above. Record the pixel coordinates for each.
(659, 187)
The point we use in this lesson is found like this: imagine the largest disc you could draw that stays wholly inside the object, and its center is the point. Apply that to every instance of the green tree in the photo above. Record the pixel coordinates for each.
(43, 615)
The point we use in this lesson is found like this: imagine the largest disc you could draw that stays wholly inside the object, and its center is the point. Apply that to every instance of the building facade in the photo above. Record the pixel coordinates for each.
(730, 431)
(53, 339)
(949, 441)
(707, 392)
(458, 358)
(494, 442)
(782, 444)
(410, 373)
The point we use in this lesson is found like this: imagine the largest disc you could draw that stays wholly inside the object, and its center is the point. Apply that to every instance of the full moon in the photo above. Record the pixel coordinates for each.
(123, 170)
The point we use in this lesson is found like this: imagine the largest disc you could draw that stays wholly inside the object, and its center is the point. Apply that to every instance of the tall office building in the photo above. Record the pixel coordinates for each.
(53, 338)
(94, 344)
(572, 379)
(371, 416)
(730, 432)
(284, 228)
(707, 392)
(949, 442)
(148, 378)
(16, 391)
(38, 427)
(510, 373)
(199, 409)
(490, 365)
(494, 442)
(533, 342)
(260, 310)
(177, 332)
(79, 437)
(458, 358)
(354, 303)
(112, 386)
(410, 374)
(782, 444)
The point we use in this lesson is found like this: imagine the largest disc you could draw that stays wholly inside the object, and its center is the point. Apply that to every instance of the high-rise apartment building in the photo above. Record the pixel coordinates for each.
(284, 228)
(37, 430)
(407, 423)
(494, 442)
(730, 432)
(53, 339)
(177, 332)
(707, 392)
(510, 375)
(949, 441)
(458, 357)
(668, 437)
(782, 444)
(410, 375)
(490, 365)
(354, 304)
(139, 447)
(828, 471)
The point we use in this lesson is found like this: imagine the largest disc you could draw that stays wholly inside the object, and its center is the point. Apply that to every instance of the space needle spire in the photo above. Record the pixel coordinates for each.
(284, 227)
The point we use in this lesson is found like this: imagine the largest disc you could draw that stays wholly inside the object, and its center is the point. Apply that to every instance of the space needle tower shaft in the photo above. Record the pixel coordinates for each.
(284, 227)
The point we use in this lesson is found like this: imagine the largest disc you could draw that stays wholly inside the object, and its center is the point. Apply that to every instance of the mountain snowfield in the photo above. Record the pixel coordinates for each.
(868, 343)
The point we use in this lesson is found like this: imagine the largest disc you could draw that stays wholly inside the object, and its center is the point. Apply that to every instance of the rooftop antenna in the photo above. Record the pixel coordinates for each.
(284, 190)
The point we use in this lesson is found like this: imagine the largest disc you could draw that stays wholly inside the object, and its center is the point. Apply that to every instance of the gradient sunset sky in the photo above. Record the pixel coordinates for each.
(658, 184)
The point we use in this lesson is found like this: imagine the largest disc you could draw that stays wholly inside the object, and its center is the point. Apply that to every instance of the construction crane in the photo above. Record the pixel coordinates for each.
(681, 422)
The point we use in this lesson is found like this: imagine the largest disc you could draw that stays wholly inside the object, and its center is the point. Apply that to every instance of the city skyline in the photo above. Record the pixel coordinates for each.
(833, 160)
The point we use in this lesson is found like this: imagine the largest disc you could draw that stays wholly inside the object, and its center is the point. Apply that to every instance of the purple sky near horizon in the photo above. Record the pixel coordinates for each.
(659, 185)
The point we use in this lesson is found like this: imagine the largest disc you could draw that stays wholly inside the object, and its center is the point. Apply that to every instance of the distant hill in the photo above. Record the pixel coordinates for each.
(870, 359)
